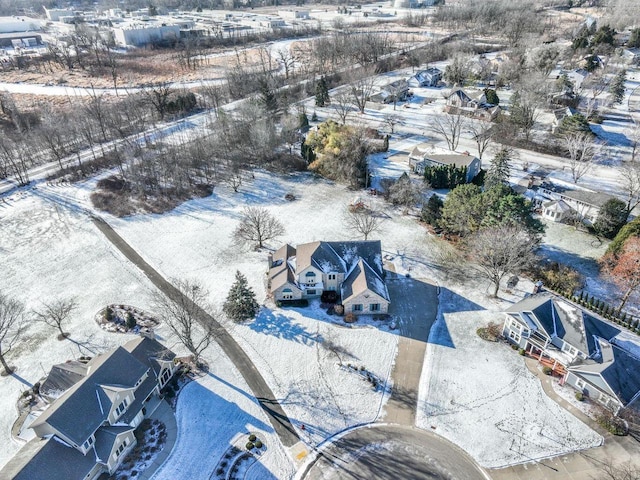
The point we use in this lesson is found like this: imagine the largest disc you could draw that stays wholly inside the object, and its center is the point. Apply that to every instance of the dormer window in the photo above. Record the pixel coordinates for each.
(310, 274)
(88, 443)
(122, 407)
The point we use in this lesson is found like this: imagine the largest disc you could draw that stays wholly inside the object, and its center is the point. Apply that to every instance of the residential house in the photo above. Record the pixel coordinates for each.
(594, 356)
(459, 102)
(424, 155)
(584, 204)
(393, 92)
(430, 77)
(631, 55)
(351, 269)
(88, 427)
(559, 114)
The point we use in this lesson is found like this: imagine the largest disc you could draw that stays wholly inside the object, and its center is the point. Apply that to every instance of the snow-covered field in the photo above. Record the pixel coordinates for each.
(210, 412)
(481, 396)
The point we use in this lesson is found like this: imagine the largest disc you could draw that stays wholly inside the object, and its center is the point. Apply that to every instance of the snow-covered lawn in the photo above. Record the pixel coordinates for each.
(481, 396)
(210, 412)
(46, 253)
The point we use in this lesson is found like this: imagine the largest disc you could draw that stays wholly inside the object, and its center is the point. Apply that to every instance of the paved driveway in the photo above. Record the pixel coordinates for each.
(414, 302)
(393, 452)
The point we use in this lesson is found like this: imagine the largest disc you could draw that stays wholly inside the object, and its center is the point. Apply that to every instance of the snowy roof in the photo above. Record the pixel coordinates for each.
(281, 269)
(597, 199)
(425, 152)
(337, 256)
(362, 278)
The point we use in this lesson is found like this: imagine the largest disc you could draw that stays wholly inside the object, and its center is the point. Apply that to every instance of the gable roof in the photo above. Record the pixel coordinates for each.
(87, 400)
(280, 270)
(105, 440)
(456, 91)
(149, 352)
(615, 371)
(58, 460)
(362, 278)
(338, 256)
(63, 376)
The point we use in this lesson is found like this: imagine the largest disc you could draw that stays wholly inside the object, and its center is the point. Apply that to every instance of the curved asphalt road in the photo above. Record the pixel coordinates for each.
(264, 395)
(393, 452)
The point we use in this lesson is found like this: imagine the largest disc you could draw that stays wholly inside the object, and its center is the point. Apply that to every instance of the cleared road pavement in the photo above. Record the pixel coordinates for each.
(393, 452)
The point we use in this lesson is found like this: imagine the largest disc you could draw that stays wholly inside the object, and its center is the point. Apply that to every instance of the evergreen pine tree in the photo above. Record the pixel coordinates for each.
(241, 301)
(322, 92)
(616, 88)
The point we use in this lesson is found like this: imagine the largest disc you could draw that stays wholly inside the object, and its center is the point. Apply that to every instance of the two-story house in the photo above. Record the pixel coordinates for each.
(351, 269)
(88, 429)
(586, 349)
(429, 77)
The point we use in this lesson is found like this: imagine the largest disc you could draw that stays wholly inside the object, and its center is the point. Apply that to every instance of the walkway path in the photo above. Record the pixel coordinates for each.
(168, 417)
(264, 395)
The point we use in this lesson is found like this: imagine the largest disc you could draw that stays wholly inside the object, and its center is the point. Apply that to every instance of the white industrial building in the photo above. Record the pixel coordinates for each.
(19, 24)
(294, 14)
(138, 35)
(54, 14)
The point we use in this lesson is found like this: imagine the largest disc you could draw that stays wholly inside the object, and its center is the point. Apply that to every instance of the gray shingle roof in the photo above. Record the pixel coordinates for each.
(62, 377)
(148, 351)
(84, 407)
(47, 459)
(105, 438)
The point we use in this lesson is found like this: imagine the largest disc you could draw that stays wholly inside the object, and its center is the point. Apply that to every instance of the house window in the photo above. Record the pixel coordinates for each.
(311, 292)
(122, 407)
(310, 274)
(120, 449)
(331, 276)
(287, 294)
(374, 307)
(580, 384)
(165, 376)
(515, 336)
(357, 307)
(88, 443)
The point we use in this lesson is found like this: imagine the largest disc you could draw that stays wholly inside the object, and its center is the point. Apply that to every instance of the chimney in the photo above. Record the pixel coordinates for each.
(270, 260)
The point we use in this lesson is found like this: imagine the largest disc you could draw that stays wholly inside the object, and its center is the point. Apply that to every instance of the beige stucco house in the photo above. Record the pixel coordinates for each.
(351, 269)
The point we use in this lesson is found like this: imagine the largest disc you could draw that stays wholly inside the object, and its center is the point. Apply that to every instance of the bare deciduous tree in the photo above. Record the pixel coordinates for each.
(482, 134)
(391, 120)
(13, 324)
(56, 313)
(499, 251)
(363, 221)
(582, 153)
(612, 470)
(341, 104)
(184, 313)
(257, 226)
(450, 128)
(361, 90)
(630, 172)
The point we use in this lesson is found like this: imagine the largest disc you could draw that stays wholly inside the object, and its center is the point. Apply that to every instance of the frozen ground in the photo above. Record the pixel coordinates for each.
(481, 396)
(210, 412)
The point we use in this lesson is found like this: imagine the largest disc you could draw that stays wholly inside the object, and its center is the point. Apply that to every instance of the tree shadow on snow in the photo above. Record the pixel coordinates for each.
(277, 325)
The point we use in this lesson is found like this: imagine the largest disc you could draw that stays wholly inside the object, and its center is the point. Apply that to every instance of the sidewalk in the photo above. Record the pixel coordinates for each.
(166, 416)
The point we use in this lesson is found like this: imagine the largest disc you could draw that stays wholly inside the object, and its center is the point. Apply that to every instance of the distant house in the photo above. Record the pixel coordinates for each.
(396, 91)
(424, 155)
(430, 77)
(88, 427)
(594, 356)
(351, 269)
(631, 55)
(459, 102)
(559, 115)
(584, 204)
